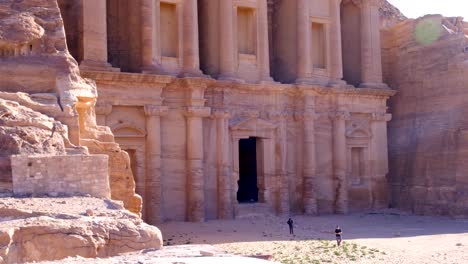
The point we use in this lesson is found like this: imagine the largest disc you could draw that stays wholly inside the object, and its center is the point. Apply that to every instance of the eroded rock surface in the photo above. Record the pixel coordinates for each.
(38, 72)
(37, 229)
(426, 60)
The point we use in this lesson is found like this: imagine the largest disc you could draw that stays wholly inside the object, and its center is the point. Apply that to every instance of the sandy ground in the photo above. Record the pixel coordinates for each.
(384, 237)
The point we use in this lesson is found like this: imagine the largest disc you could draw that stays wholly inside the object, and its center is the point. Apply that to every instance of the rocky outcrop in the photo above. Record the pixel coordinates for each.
(389, 14)
(39, 229)
(38, 72)
(426, 61)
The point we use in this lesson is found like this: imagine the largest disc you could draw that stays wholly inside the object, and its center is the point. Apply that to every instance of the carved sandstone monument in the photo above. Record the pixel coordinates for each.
(280, 104)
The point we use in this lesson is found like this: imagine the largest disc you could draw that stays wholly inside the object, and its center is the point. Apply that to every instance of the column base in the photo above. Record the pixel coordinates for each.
(230, 77)
(153, 70)
(338, 84)
(90, 65)
(193, 73)
(374, 85)
(267, 80)
(312, 81)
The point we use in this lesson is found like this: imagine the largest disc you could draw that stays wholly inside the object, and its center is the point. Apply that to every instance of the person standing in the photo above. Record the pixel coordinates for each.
(338, 233)
(291, 226)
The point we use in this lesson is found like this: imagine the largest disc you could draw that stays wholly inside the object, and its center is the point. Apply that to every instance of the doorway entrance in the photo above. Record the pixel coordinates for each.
(248, 187)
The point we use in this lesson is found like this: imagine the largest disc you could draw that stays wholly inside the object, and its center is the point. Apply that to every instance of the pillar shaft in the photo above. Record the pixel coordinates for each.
(150, 50)
(226, 42)
(370, 38)
(336, 69)
(153, 193)
(195, 168)
(264, 53)
(339, 162)
(191, 60)
(309, 163)
(379, 160)
(94, 35)
(225, 206)
(304, 41)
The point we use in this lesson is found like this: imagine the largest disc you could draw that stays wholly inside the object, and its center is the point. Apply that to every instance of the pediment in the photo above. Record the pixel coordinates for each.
(127, 129)
(254, 124)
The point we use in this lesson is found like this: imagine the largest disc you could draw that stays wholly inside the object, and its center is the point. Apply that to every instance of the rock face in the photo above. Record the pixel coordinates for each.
(37, 72)
(27, 132)
(426, 61)
(40, 229)
(389, 14)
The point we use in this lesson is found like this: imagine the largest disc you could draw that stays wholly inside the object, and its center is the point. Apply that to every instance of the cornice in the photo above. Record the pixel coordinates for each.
(128, 77)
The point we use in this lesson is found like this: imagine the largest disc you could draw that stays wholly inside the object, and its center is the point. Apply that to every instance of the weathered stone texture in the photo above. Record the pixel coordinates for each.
(425, 60)
(34, 59)
(38, 229)
(61, 175)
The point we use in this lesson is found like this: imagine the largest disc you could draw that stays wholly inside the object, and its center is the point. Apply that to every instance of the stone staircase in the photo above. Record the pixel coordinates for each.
(248, 210)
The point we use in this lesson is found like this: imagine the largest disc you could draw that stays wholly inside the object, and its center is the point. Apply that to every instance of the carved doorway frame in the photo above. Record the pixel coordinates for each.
(266, 134)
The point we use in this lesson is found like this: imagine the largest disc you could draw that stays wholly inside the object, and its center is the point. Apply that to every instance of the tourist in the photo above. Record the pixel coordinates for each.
(338, 235)
(291, 226)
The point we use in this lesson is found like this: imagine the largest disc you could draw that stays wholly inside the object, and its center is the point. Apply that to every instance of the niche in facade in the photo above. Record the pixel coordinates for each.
(246, 31)
(319, 46)
(169, 30)
(357, 165)
(351, 42)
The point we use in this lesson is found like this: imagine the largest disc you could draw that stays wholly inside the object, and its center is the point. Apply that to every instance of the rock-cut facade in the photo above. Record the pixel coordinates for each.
(240, 106)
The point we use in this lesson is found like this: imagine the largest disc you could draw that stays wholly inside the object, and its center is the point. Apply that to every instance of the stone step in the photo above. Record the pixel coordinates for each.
(248, 210)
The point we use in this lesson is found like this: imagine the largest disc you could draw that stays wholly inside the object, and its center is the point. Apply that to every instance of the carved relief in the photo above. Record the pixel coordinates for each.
(358, 128)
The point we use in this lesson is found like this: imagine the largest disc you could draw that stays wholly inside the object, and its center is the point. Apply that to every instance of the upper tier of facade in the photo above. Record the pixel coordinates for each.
(321, 42)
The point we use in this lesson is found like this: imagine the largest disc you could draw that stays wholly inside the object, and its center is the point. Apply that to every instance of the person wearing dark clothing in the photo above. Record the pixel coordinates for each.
(338, 235)
(291, 227)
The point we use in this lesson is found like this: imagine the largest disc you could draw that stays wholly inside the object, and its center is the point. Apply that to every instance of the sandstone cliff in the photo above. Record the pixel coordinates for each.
(389, 14)
(426, 61)
(37, 72)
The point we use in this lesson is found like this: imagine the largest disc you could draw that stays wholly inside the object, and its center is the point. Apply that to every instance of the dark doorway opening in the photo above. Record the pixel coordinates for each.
(248, 189)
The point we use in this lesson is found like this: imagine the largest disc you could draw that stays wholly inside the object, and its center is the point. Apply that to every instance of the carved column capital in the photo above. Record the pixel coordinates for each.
(306, 115)
(340, 115)
(278, 115)
(384, 117)
(221, 114)
(251, 114)
(373, 3)
(355, 2)
(156, 110)
(103, 109)
(197, 111)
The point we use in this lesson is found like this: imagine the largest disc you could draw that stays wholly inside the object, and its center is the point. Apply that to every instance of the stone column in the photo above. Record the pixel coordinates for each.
(195, 170)
(339, 161)
(280, 118)
(371, 57)
(95, 36)
(309, 162)
(264, 52)
(227, 46)
(379, 160)
(150, 48)
(153, 192)
(336, 69)
(304, 42)
(191, 60)
(225, 205)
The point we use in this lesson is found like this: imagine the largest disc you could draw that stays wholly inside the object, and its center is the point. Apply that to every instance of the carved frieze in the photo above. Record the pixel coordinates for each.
(197, 111)
(384, 117)
(340, 115)
(156, 110)
(103, 109)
